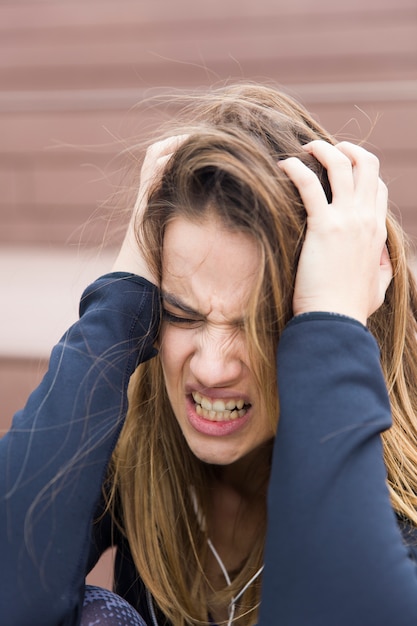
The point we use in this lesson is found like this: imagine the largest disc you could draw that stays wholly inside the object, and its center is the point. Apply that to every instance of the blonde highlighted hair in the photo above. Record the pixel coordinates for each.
(227, 167)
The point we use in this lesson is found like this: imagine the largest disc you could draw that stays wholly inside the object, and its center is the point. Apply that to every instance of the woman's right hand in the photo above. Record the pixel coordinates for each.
(130, 257)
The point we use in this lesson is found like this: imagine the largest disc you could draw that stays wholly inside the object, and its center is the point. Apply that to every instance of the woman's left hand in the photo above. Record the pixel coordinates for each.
(344, 265)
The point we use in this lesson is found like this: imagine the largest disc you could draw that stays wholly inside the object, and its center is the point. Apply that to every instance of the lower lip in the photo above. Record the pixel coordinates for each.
(214, 429)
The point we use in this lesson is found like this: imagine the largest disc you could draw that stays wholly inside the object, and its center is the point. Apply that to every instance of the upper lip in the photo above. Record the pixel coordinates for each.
(217, 393)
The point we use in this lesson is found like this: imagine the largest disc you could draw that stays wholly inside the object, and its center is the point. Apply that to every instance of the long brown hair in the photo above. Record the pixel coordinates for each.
(227, 165)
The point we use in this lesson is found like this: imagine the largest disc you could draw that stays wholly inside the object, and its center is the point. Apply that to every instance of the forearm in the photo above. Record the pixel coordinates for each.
(334, 554)
(53, 460)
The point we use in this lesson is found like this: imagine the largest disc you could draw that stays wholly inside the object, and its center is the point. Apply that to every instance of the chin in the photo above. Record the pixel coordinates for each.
(216, 457)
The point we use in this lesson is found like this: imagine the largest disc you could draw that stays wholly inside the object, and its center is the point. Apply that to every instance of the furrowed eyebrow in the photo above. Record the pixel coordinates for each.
(178, 304)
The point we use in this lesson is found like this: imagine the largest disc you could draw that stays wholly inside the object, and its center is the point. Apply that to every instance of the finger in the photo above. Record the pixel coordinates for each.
(339, 169)
(149, 176)
(308, 185)
(165, 146)
(382, 200)
(161, 163)
(365, 167)
(155, 160)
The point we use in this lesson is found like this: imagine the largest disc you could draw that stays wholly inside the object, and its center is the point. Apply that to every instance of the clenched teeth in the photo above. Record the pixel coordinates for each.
(219, 411)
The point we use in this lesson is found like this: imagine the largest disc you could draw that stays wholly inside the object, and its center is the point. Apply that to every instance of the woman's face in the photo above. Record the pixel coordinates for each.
(209, 273)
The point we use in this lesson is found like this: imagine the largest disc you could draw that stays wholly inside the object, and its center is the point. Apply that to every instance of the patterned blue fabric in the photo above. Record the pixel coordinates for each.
(105, 608)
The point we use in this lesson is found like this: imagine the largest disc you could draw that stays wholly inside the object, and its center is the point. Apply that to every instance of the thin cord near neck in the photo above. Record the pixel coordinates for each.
(232, 605)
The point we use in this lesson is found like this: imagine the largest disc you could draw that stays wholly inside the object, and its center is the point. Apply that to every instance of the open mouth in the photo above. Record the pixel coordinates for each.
(219, 410)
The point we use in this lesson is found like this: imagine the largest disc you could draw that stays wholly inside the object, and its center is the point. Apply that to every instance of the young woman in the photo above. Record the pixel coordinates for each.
(259, 332)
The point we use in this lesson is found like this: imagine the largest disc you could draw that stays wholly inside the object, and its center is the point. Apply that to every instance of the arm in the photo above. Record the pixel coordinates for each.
(53, 460)
(334, 553)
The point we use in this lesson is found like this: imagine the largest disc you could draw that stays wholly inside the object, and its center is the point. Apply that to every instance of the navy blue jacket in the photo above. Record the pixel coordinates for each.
(335, 552)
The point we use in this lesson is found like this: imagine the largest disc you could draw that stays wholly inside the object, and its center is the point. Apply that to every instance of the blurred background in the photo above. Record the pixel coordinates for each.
(72, 73)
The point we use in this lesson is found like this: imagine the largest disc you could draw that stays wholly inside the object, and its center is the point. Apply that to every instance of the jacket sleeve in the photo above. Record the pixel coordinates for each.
(54, 458)
(334, 552)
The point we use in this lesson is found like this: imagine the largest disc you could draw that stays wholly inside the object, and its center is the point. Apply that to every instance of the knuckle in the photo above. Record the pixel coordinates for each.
(297, 168)
(343, 145)
(318, 142)
(154, 148)
(307, 178)
(347, 150)
(358, 153)
(163, 147)
(373, 160)
(383, 186)
(344, 162)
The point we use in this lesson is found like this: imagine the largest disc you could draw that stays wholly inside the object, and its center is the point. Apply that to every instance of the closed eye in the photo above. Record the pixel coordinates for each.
(169, 317)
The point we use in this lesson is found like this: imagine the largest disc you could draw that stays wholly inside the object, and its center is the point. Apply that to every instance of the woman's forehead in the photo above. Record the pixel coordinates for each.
(208, 264)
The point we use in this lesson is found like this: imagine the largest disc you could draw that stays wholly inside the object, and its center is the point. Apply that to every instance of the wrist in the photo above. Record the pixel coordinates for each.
(332, 308)
(130, 260)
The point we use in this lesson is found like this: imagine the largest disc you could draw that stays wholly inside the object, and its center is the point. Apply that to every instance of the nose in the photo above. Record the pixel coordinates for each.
(217, 359)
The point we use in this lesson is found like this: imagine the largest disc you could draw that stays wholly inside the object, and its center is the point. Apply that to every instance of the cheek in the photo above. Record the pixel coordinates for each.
(174, 351)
